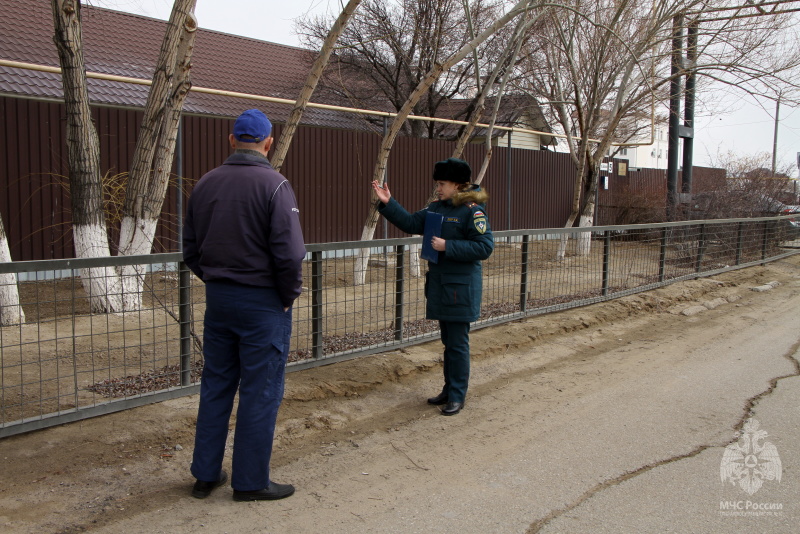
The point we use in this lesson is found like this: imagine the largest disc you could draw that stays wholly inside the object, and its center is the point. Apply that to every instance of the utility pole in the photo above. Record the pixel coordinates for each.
(775, 136)
(681, 66)
(674, 118)
(687, 132)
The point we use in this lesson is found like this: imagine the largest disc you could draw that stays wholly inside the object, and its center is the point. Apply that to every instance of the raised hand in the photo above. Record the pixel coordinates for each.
(383, 193)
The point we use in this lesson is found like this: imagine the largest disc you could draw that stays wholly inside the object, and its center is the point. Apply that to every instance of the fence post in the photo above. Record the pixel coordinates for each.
(606, 258)
(399, 292)
(509, 187)
(701, 249)
(764, 244)
(185, 323)
(179, 187)
(662, 256)
(523, 282)
(316, 305)
(739, 233)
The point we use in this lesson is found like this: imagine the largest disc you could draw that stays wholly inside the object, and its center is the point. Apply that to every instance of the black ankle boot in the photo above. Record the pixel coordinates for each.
(441, 398)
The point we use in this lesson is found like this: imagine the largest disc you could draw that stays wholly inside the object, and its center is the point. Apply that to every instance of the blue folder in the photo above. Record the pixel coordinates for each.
(433, 227)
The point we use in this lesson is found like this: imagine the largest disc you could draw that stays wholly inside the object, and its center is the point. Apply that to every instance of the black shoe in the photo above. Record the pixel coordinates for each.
(273, 492)
(452, 408)
(441, 398)
(203, 489)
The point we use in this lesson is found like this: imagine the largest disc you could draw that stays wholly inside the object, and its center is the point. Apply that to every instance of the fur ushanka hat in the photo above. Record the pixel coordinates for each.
(452, 170)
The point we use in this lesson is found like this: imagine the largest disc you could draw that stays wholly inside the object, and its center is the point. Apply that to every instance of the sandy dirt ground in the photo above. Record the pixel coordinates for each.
(356, 435)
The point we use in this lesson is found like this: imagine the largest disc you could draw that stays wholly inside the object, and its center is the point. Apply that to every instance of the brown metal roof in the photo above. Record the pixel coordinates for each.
(516, 110)
(123, 44)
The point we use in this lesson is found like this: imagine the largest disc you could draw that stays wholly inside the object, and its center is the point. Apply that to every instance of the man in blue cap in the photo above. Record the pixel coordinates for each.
(242, 237)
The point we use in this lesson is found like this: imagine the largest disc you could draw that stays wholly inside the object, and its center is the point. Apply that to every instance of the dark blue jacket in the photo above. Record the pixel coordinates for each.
(243, 225)
(454, 285)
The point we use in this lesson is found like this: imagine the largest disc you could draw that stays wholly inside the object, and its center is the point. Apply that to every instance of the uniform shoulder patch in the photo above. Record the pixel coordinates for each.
(478, 217)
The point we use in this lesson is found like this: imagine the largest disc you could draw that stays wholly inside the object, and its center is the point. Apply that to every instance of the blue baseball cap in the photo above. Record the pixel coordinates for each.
(252, 126)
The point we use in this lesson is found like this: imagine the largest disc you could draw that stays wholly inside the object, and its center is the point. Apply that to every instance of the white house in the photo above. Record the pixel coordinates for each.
(651, 153)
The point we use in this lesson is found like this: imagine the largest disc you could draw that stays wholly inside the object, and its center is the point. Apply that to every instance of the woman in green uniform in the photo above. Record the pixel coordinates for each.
(453, 283)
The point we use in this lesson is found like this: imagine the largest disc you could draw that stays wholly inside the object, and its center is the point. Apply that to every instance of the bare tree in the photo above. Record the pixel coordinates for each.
(282, 148)
(507, 59)
(504, 66)
(510, 55)
(598, 64)
(83, 147)
(113, 289)
(391, 46)
(421, 89)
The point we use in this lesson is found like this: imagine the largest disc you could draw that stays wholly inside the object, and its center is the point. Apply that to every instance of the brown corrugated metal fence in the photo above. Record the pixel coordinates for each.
(329, 169)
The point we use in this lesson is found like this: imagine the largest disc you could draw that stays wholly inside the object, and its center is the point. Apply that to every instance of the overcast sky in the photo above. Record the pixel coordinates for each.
(746, 129)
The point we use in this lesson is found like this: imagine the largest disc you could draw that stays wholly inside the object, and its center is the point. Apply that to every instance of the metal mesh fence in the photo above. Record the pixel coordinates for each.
(68, 360)
(71, 359)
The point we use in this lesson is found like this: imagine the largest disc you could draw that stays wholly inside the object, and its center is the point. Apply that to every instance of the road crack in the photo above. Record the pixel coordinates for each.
(747, 413)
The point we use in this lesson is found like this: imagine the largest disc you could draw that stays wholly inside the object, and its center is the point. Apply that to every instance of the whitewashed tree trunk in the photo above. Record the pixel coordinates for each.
(368, 232)
(155, 148)
(579, 158)
(584, 216)
(584, 239)
(10, 310)
(110, 289)
(101, 284)
(83, 158)
(561, 253)
(137, 235)
(415, 263)
(584, 245)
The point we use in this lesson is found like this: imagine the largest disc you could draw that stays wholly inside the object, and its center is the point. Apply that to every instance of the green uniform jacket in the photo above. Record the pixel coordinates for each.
(454, 285)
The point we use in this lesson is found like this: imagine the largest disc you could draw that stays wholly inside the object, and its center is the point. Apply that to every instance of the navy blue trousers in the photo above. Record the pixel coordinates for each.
(245, 345)
(455, 336)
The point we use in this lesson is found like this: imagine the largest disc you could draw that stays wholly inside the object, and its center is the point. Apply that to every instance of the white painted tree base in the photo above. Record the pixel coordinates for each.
(101, 284)
(136, 238)
(10, 310)
(415, 260)
(110, 289)
(584, 245)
